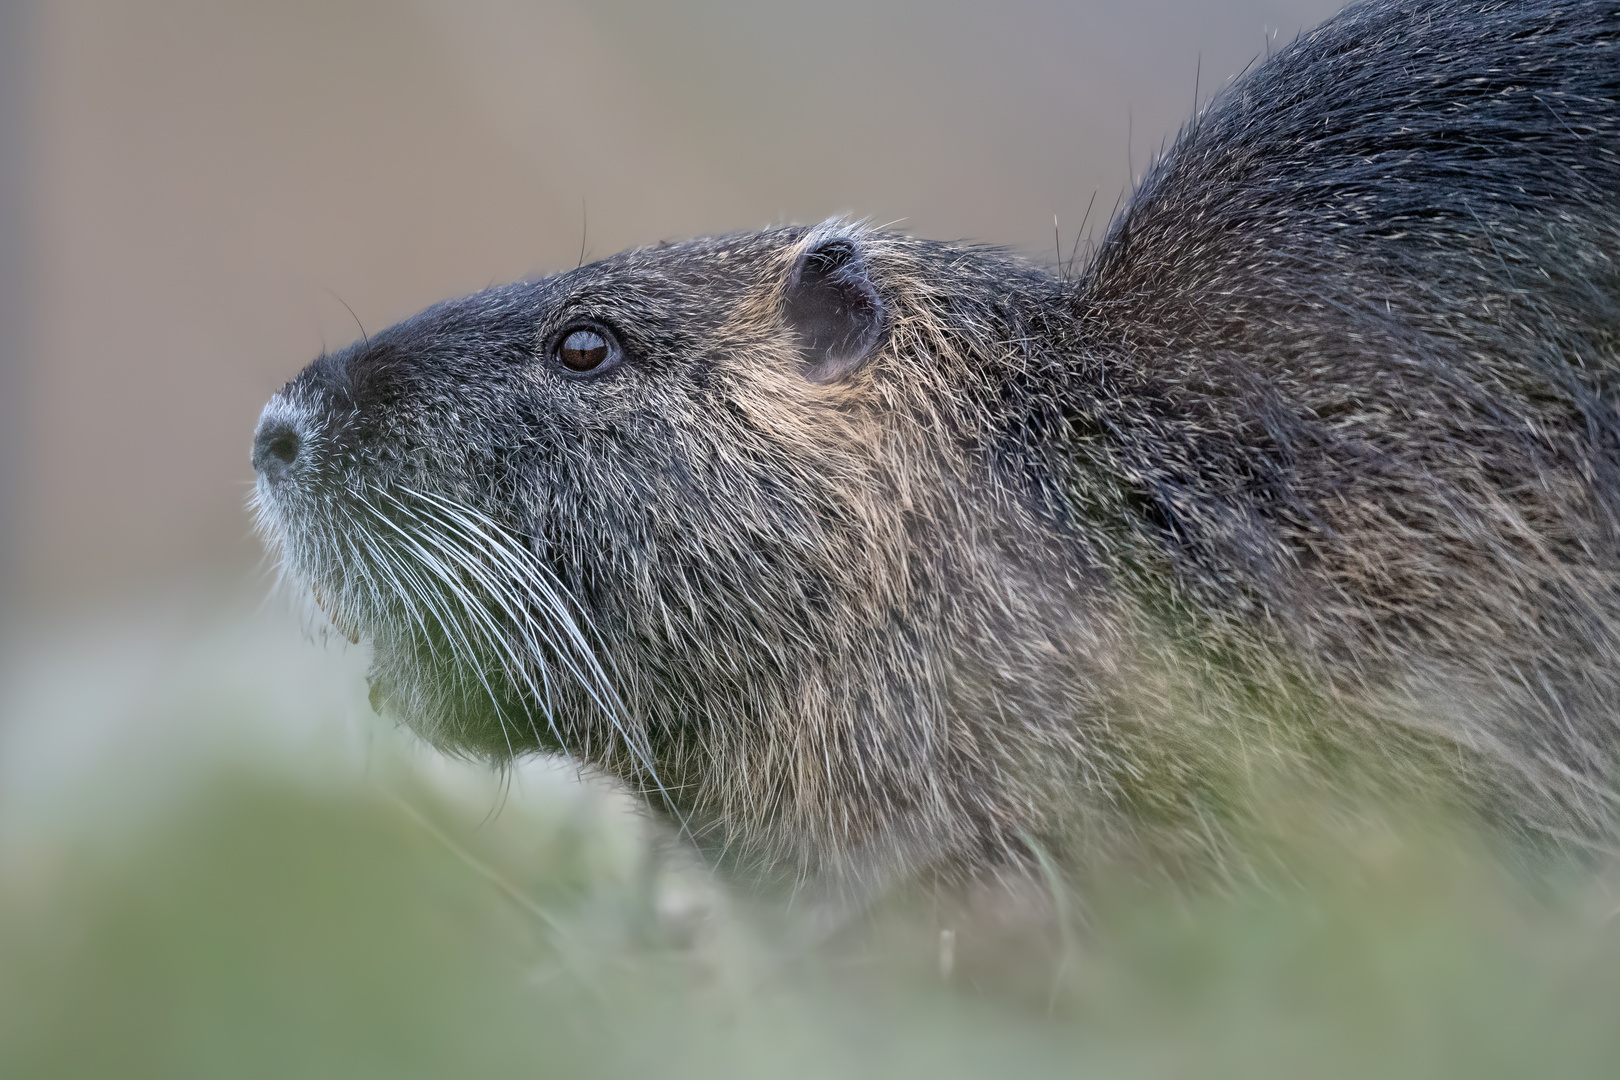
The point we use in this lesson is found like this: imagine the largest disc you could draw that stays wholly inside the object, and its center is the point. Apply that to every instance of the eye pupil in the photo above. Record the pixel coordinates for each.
(583, 349)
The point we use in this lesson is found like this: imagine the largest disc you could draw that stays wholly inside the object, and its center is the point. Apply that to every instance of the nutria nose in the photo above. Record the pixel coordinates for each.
(275, 446)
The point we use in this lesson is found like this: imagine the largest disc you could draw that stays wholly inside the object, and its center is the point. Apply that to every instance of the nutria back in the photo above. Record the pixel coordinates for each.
(864, 556)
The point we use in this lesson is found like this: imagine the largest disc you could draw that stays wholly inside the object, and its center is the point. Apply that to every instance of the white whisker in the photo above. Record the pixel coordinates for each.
(458, 546)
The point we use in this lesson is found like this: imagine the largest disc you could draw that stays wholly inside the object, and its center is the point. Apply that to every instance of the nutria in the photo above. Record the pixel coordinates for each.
(862, 555)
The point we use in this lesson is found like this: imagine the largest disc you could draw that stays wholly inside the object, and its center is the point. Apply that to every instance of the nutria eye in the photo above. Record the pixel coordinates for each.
(585, 348)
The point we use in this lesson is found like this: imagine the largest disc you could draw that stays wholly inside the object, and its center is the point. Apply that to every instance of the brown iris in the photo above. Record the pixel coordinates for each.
(584, 349)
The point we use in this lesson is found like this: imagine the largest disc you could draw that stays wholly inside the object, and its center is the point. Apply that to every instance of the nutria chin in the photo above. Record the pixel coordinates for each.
(859, 554)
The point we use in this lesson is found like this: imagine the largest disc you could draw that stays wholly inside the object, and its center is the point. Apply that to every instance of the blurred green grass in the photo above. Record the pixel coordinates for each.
(261, 928)
(291, 904)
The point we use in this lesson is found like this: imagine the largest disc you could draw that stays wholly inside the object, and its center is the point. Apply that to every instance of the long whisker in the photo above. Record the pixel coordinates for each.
(452, 627)
(511, 662)
(396, 575)
(501, 593)
(448, 544)
(517, 557)
(523, 589)
(535, 579)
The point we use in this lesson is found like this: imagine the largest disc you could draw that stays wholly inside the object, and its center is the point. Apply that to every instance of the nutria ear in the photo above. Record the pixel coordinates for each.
(834, 309)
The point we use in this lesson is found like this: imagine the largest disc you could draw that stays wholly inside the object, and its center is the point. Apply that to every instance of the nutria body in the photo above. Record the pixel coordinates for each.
(859, 554)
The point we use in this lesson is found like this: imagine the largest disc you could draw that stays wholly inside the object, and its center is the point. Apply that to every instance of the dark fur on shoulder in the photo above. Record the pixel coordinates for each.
(861, 555)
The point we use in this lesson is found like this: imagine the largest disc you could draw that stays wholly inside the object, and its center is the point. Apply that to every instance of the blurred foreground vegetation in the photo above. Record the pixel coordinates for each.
(266, 921)
(261, 929)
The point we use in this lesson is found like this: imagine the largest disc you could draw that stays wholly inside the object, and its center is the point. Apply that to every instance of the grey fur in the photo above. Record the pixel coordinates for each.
(956, 563)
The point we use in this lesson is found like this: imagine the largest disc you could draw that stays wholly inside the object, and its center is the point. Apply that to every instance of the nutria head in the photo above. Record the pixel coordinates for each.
(716, 517)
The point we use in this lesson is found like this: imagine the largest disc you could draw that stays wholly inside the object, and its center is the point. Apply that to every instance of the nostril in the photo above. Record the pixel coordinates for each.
(275, 448)
(285, 447)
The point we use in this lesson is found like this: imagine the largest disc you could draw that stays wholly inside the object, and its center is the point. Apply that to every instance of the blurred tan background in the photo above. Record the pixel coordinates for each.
(189, 187)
